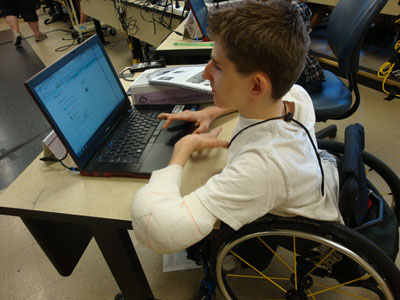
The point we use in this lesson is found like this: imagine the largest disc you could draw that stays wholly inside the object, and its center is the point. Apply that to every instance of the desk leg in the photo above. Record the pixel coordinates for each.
(137, 53)
(118, 251)
(99, 31)
(63, 243)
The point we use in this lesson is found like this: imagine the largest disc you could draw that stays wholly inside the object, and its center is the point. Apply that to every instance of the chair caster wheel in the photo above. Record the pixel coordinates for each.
(112, 31)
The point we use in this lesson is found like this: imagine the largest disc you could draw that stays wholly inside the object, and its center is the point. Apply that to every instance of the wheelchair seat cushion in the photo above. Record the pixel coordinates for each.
(333, 99)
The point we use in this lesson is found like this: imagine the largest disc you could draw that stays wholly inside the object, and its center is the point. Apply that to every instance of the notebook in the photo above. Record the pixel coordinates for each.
(83, 100)
(145, 93)
(187, 77)
(200, 14)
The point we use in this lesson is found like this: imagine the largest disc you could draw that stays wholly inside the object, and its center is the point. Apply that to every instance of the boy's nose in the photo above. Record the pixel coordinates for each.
(206, 72)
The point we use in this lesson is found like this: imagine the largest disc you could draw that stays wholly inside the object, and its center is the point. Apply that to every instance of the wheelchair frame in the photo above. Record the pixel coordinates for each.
(334, 252)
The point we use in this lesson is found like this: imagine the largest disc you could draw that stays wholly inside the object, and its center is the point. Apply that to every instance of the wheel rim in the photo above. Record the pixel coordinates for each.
(227, 289)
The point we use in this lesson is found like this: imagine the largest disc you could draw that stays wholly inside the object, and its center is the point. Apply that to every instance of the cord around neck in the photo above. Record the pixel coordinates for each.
(287, 117)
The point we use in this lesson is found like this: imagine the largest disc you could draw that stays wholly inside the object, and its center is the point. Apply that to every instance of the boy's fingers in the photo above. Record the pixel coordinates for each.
(162, 116)
(203, 128)
(166, 124)
(215, 143)
(216, 131)
(223, 144)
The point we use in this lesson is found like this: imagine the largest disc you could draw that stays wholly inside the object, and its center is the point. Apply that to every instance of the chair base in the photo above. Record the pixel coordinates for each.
(329, 131)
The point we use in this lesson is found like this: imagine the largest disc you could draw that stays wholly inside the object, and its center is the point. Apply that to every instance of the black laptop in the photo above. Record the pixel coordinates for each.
(82, 98)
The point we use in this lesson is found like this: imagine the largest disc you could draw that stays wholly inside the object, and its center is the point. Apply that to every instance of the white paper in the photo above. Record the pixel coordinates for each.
(177, 262)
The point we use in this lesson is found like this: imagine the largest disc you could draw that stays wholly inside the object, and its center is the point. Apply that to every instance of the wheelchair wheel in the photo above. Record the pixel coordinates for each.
(307, 259)
(378, 173)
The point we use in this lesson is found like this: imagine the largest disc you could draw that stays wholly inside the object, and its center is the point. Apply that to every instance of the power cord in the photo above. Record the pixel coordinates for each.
(125, 76)
(51, 159)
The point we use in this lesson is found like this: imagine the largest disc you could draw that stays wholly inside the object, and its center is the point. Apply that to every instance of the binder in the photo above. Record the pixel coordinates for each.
(145, 92)
(187, 77)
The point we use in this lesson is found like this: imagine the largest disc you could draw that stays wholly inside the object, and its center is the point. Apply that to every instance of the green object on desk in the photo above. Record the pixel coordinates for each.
(194, 44)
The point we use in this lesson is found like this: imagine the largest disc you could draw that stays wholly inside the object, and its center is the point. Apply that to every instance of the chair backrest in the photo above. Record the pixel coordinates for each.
(347, 27)
(353, 200)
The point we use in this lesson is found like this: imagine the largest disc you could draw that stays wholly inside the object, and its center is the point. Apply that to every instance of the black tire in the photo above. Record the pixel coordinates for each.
(377, 165)
(352, 250)
(79, 39)
(74, 34)
(112, 31)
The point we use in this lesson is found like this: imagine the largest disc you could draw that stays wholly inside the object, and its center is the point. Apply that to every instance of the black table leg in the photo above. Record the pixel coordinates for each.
(120, 255)
(99, 31)
(63, 243)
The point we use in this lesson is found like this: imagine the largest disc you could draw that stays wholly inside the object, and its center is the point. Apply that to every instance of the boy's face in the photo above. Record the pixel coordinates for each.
(230, 88)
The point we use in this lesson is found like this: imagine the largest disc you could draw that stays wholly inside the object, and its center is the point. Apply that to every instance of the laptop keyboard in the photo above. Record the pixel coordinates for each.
(141, 127)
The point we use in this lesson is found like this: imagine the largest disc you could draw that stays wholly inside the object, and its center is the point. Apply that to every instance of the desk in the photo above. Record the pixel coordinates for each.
(391, 7)
(64, 210)
(138, 13)
(192, 52)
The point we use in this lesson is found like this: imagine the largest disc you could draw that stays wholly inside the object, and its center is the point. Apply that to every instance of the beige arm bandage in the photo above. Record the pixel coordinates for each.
(163, 220)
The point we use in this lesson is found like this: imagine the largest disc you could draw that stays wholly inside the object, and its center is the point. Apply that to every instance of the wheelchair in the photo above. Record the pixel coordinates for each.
(295, 258)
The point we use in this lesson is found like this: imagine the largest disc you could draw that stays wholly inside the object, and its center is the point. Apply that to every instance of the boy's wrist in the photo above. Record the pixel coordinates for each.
(182, 151)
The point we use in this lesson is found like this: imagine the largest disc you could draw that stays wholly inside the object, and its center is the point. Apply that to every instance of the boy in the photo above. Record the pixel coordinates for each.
(272, 166)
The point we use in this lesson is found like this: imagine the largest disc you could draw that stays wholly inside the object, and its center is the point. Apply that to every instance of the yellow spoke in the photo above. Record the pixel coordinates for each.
(262, 274)
(294, 263)
(276, 254)
(339, 285)
(311, 295)
(256, 277)
(321, 261)
(342, 292)
(386, 194)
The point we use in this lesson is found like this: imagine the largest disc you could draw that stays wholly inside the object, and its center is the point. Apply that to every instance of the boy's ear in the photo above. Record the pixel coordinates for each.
(261, 85)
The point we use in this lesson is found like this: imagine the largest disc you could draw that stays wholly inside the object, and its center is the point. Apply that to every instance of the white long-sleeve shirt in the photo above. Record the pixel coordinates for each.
(271, 167)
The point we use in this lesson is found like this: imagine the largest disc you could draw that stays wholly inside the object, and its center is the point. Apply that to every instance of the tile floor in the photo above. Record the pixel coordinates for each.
(26, 273)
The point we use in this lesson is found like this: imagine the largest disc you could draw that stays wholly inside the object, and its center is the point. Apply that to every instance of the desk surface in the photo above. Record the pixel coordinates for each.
(48, 189)
(64, 211)
(186, 47)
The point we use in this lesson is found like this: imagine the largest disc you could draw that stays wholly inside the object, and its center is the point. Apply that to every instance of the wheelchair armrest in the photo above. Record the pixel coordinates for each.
(379, 218)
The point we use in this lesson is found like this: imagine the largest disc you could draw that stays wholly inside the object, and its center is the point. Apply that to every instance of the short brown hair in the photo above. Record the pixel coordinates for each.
(264, 36)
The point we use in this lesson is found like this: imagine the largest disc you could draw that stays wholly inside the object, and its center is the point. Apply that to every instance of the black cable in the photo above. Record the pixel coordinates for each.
(123, 76)
(65, 47)
(289, 117)
(51, 159)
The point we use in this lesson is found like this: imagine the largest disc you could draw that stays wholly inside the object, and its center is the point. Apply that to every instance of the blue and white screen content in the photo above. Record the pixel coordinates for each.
(81, 95)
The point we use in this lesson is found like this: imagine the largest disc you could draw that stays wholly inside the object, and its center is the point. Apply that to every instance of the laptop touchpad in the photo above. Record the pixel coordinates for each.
(157, 158)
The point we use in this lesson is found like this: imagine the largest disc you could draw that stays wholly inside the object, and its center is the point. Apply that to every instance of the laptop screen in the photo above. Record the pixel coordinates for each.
(78, 94)
(200, 13)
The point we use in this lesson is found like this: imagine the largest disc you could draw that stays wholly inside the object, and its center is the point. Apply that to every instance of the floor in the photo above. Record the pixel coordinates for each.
(26, 273)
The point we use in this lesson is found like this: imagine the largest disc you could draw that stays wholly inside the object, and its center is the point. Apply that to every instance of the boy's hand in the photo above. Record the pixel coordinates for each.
(198, 142)
(202, 118)
(195, 142)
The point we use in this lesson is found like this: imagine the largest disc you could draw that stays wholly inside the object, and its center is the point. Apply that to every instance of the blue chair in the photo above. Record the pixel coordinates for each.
(347, 27)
